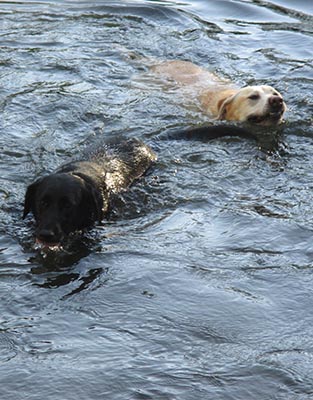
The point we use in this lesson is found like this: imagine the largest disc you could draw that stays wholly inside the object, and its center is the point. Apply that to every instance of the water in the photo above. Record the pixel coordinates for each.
(200, 285)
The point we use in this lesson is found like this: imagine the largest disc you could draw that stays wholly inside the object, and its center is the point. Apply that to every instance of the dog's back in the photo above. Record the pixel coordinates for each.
(115, 164)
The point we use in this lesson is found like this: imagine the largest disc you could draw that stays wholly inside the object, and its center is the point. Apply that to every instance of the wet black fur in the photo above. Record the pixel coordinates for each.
(77, 194)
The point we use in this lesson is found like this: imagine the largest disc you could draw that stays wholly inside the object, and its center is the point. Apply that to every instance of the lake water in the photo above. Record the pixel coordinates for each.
(200, 286)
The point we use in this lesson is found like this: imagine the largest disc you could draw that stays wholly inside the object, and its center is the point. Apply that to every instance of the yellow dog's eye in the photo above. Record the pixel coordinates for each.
(254, 97)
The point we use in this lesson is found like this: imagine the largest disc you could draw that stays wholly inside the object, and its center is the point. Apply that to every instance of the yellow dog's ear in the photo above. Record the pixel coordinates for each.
(222, 106)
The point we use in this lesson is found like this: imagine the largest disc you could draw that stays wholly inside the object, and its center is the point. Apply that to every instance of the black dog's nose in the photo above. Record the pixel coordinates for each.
(49, 236)
(276, 102)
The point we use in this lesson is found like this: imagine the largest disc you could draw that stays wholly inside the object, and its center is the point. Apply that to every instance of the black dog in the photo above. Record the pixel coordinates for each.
(77, 194)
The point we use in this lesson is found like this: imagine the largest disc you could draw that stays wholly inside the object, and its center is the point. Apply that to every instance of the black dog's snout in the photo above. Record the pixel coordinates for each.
(276, 102)
(48, 235)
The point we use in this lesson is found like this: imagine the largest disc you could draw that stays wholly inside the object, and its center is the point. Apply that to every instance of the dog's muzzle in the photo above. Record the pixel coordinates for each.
(276, 103)
(49, 236)
(273, 115)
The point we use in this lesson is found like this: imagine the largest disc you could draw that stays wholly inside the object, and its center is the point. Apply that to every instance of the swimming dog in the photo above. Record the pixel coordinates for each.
(261, 105)
(77, 194)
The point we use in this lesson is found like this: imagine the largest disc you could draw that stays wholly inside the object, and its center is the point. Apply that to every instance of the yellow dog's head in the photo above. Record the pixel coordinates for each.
(261, 105)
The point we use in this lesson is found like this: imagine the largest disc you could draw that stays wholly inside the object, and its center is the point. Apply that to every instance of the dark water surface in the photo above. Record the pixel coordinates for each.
(201, 284)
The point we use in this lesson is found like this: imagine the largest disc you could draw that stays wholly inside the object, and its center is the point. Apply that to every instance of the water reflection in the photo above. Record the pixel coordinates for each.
(56, 268)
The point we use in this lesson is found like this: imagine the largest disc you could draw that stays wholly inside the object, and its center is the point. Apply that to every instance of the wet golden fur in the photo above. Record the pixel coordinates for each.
(258, 104)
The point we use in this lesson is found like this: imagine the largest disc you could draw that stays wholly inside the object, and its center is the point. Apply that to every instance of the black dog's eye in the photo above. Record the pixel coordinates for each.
(254, 96)
(44, 203)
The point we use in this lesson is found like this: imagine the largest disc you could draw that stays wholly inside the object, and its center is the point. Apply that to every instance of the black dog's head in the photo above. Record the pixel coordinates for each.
(62, 203)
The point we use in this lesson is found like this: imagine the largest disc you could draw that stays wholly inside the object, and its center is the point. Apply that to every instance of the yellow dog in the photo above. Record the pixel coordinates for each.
(262, 105)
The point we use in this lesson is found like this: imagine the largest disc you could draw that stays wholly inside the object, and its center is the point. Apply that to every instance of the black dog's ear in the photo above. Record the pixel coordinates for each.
(30, 196)
(93, 202)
